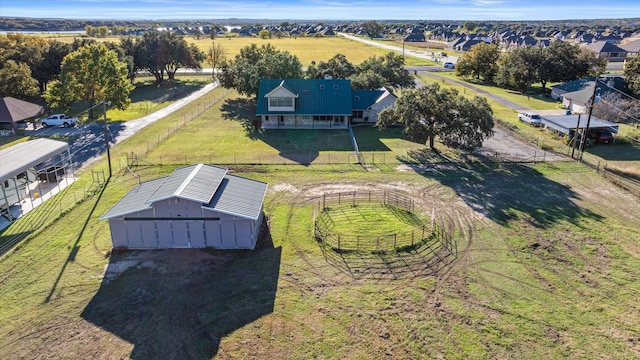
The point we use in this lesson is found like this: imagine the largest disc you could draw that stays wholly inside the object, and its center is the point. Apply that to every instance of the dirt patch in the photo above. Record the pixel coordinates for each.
(283, 187)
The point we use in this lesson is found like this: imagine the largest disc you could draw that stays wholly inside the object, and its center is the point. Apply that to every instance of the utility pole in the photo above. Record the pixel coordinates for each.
(106, 134)
(586, 129)
(575, 136)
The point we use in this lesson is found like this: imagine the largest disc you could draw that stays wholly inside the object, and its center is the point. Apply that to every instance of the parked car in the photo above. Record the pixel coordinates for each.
(59, 120)
(531, 119)
(600, 136)
(449, 65)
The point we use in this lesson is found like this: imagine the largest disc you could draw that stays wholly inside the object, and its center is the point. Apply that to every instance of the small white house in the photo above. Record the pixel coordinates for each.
(197, 206)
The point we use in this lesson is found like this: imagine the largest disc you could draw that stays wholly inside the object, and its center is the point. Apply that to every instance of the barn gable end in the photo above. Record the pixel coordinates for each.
(196, 206)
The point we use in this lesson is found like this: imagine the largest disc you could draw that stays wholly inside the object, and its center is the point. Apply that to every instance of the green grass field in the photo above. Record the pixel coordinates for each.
(307, 49)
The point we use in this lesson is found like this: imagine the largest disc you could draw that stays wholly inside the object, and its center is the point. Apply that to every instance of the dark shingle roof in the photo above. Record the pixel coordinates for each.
(604, 47)
(315, 96)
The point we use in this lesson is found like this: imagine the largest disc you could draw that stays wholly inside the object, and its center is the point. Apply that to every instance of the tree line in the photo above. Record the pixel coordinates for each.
(525, 66)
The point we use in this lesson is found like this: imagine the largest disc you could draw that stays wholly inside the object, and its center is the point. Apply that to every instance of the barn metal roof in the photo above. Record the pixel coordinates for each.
(28, 154)
(239, 196)
(206, 184)
(135, 200)
(196, 182)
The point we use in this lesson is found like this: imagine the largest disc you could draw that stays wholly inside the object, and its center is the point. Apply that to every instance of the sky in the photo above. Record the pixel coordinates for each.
(323, 9)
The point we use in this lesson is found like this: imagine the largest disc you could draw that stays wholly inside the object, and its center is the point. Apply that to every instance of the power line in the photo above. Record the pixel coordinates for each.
(617, 90)
(621, 110)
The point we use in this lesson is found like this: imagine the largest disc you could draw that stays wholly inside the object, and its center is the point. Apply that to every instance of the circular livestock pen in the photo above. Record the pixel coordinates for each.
(376, 222)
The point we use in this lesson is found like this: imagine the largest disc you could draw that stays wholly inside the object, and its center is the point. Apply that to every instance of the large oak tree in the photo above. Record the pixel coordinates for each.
(480, 62)
(432, 111)
(253, 63)
(160, 52)
(91, 74)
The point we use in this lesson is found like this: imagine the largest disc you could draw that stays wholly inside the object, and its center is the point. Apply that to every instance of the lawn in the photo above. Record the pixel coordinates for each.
(547, 262)
(534, 277)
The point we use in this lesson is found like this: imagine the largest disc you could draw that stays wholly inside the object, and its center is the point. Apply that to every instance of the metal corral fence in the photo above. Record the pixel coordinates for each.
(392, 198)
(375, 243)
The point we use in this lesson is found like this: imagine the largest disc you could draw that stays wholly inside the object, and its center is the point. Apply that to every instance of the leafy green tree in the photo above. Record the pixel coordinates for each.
(431, 111)
(90, 30)
(16, 80)
(632, 75)
(253, 63)
(49, 67)
(391, 68)
(338, 67)
(91, 74)
(520, 68)
(264, 34)
(102, 31)
(372, 28)
(129, 48)
(367, 80)
(161, 52)
(480, 62)
(22, 49)
(588, 63)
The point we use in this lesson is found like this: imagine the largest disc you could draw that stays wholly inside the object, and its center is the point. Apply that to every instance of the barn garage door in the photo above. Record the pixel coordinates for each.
(159, 233)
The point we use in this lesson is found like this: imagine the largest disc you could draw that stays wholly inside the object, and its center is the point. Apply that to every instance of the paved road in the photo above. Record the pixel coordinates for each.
(420, 54)
(88, 141)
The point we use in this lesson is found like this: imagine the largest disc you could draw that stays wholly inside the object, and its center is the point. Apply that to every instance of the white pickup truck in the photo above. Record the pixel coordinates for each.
(59, 120)
(531, 119)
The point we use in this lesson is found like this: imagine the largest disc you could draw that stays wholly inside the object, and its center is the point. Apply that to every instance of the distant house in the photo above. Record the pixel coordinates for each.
(632, 48)
(416, 35)
(465, 45)
(608, 51)
(197, 206)
(317, 103)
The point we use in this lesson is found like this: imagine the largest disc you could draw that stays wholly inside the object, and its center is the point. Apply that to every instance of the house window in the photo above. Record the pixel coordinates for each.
(357, 114)
(280, 102)
(357, 98)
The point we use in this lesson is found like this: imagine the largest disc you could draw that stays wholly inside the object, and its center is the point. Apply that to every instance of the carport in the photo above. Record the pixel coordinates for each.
(567, 124)
(26, 167)
(14, 110)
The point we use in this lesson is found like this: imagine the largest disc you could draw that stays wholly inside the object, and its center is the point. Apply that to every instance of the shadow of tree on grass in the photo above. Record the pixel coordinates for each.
(302, 146)
(179, 303)
(505, 191)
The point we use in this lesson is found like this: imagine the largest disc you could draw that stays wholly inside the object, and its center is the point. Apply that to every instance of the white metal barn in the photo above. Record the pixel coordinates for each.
(197, 206)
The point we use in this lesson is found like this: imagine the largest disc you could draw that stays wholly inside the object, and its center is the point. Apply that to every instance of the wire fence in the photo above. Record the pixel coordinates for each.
(140, 153)
(58, 199)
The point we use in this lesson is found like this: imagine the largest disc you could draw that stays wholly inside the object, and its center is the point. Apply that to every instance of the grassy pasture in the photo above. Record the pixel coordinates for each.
(547, 267)
(307, 49)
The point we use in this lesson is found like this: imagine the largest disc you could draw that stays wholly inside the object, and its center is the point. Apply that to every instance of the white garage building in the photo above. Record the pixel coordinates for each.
(197, 206)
